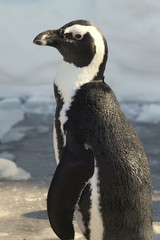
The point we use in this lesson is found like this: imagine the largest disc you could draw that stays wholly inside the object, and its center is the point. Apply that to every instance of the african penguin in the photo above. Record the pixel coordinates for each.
(102, 175)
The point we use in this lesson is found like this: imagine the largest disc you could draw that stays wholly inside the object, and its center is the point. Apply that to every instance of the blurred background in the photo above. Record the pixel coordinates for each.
(132, 30)
(130, 27)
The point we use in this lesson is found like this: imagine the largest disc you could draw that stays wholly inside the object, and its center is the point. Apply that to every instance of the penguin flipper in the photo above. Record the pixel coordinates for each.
(73, 172)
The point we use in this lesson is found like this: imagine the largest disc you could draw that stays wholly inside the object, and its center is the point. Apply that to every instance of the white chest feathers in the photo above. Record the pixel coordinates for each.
(70, 78)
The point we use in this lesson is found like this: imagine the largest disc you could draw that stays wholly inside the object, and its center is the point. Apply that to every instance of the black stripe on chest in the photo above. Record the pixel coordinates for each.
(60, 138)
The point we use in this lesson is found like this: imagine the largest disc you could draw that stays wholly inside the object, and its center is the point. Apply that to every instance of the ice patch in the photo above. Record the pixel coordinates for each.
(150, 113)
(17, 133)
(25, 91)
(12, 136)
(10, 103)
(12, 110)
(39, 105)
(8, 118)
(131, 110)
(10, 171)
(142, 112)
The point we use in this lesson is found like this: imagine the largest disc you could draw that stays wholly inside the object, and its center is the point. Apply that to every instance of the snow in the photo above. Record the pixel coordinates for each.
(142, 112)
(39, 104)
(12, 136)
(15, 102)
(10, 171)
(150, 113)
(10, 114)
(25, 91)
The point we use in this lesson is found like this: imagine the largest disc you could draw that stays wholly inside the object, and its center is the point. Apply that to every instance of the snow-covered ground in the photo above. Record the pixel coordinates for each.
(10, 171)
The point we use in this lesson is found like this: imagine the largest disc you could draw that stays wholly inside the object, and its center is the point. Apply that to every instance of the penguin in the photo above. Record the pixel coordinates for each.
(102, 177)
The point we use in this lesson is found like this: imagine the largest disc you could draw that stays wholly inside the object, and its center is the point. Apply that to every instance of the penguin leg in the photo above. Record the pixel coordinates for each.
(76, 167)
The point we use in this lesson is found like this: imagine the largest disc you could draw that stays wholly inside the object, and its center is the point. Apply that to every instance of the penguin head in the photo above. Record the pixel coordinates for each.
(79, 42)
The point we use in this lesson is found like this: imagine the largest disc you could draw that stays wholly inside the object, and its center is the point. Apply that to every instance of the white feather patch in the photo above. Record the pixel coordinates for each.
(96, 222)
(79, 220)
(70, 78)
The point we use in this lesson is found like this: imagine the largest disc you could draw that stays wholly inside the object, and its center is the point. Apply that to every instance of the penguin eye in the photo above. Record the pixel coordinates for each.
(78, 36)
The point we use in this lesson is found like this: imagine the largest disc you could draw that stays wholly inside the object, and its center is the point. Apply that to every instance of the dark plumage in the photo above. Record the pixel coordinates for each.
(103, 172)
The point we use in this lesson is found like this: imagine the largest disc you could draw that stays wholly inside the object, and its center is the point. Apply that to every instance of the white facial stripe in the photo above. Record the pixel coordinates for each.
(43, 40)
(76, 29)
(82, 30)
(70, 78)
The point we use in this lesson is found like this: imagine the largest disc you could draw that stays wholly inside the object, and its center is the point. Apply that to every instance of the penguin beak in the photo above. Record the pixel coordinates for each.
(47, 38)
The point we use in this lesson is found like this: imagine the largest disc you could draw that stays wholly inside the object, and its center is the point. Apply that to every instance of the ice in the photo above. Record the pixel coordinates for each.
(16, 103)
(10, 103)
(10, 171)
(13, 110)
(150, 113)
(25, 91)
(132, 110)
(12, 136)
(10, 114)
(142, 112)
(8, 119)
(39, 104)
(17, 133)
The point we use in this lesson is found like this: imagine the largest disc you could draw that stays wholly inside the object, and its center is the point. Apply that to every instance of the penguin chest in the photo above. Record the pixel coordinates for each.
(60, 120)
(67, 81)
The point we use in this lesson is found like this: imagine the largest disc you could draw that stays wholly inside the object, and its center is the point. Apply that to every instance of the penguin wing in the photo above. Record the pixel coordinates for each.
(73, 172)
